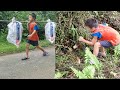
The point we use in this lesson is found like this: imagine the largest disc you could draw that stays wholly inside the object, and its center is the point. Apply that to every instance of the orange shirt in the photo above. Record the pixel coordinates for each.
(108, 34)
(31, 29)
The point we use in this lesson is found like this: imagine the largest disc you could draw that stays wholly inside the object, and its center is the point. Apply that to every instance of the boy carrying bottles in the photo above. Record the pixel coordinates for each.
(33, 36)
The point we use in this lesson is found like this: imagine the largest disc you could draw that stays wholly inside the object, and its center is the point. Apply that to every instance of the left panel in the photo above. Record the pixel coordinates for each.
(27, 44)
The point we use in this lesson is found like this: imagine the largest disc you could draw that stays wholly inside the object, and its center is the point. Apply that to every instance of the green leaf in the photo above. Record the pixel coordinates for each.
(90, 58)
(117, 51)
(78, 74)
(73, 31)
(89, 71)
(58, 75)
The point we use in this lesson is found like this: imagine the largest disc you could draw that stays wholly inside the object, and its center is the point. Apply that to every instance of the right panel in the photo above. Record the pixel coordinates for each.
(87, 45)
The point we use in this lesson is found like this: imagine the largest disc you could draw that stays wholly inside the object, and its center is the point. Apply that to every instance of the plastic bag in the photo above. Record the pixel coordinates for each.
(15, 29)
(50, 31)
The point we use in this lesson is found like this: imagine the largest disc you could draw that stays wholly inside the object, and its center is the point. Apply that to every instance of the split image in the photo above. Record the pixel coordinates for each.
(59, 45)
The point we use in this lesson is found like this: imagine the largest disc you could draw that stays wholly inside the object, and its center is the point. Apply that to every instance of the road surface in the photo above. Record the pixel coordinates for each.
(37, 67)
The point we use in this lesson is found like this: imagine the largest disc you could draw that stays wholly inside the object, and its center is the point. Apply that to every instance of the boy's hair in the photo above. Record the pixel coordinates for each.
(33, 15)
(91, 23)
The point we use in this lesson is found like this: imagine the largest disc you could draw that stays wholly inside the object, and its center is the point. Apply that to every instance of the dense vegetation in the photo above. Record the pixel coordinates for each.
(75, 63)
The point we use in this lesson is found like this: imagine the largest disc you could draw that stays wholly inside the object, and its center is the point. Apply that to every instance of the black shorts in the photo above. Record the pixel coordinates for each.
(105, 44)
(34, 43)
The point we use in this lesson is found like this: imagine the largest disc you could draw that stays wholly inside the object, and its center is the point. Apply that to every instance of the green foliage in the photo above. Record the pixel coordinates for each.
(87, 72)
(117, 51)
(62, 58)
(91, 59)
(6, 48)
(58, 75)
(78, 74)
(74, 33)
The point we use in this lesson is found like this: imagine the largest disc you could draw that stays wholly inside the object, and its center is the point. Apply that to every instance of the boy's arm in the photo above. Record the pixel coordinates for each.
(35, 30)
(94, 40)
(32, 34)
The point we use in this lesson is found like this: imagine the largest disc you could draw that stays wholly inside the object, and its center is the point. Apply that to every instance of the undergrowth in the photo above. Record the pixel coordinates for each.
(80, 63)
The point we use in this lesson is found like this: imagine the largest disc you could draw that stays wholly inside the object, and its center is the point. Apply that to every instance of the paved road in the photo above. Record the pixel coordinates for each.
(37, 67)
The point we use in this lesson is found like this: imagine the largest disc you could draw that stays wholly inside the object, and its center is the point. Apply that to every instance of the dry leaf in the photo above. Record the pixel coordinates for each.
(78, 60)
(113, 73)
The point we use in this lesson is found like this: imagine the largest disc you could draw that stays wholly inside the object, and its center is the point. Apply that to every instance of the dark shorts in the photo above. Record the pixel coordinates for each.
(105, 44)
(34, 43)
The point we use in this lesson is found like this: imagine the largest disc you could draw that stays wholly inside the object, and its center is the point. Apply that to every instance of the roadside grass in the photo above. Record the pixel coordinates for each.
(8, 48)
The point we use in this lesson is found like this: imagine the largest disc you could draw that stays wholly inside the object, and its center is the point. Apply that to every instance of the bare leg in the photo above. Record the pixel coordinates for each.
(96, 48)
(27, 49)
(44, 52)
(103, 52)
(40, 48)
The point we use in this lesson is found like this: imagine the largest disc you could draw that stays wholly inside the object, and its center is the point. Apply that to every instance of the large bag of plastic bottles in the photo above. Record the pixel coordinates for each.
(15, 29)
(50, 31)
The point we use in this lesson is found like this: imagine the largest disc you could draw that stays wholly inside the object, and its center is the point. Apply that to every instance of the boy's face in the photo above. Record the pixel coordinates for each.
(90, 29)
(30, 18)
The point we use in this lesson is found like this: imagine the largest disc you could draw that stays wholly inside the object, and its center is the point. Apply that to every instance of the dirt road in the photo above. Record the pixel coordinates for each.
(37, 67)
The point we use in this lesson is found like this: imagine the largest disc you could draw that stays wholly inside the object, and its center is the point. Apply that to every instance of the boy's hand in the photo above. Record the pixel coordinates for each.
(29, 36)
(81, 38)
(75, 46)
